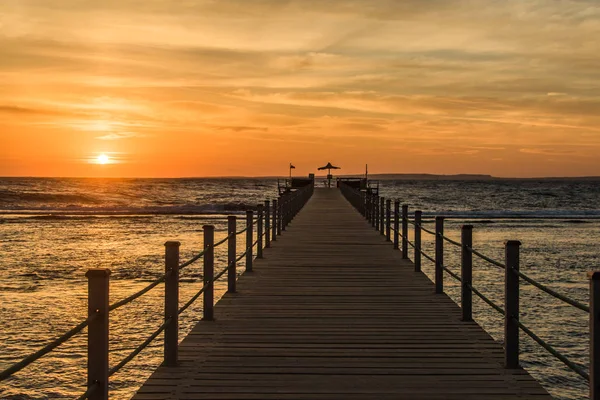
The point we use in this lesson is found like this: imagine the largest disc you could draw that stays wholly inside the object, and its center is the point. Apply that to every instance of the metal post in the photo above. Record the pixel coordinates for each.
(98, 281)
(511, 304)
(267, 224)
(249, 239)
(418, 241)
(274, 235)
(466, 271)
(405, 231)
(171, 338)
(231, 253)
(382, 216)
(209, 272)
(594, 335)
(388, 219)
(396, 224)
(439, 255)
(259, 232)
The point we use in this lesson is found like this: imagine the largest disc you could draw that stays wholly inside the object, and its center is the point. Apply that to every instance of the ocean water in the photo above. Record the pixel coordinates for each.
(53, 230)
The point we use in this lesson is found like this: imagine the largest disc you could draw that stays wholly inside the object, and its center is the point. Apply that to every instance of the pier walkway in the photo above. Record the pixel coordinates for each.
(333, 312)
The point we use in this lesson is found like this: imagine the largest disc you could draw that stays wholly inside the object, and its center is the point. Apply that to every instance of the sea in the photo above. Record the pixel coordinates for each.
(53, 230)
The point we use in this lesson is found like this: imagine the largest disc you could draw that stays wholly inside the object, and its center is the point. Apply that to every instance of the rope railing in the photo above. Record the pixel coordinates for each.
(486, 258)
(574, 367)
(486, 299)
(452, 273)
(44, 350)
(139, 349)
(447, 239)
(294, 201)
(371, 205)
(552, 293)
(420, 226)
(427, 256)
(90, 390)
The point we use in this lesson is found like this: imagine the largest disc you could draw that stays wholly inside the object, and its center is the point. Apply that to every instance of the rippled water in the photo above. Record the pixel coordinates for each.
(52, 231)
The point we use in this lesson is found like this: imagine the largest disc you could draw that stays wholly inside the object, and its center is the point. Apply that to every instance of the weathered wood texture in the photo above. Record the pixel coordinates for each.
(333, 312)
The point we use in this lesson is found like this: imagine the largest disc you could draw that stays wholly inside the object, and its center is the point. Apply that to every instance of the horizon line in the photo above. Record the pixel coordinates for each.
(384, 174)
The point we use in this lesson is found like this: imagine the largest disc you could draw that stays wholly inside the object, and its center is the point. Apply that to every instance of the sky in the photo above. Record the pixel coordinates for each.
(168, 88)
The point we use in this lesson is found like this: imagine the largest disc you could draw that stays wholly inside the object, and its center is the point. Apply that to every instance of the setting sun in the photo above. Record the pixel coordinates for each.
(102, 159)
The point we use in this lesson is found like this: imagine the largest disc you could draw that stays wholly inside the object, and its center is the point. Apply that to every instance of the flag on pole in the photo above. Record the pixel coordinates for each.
(292, 167)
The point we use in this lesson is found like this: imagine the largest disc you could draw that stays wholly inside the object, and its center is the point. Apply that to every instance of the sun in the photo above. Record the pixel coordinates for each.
(103, 159)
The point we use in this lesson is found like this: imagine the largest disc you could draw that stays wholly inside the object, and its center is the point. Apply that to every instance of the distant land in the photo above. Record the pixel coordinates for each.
(463, 177)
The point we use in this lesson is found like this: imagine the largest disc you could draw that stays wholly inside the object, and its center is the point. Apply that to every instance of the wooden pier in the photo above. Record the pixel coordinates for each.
(332, 311)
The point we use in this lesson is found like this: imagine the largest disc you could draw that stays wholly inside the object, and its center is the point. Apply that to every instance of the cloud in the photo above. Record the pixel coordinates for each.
(119, 136)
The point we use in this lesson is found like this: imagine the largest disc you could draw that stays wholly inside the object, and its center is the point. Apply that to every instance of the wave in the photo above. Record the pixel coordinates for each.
(90, 212)
(572, 215)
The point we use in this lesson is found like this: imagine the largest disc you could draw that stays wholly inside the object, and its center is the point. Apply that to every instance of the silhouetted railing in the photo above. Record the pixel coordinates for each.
(281, 213)
(372, 207)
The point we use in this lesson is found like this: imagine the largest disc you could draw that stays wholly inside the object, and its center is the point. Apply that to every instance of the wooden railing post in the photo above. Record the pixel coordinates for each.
(171, 337)
(368, 206)
(439, 254)
(284, 210)
(98, 282)
(209, 272)
(396, 224)
(511, 304)
(466, 271)
(231, 253)
(388, 220)
(373, 210)
(280, 214)
(417, 249)
(259, 231)
(405, 231)
(362, 203)
(249, 239)
(594, 335)
(267, 224)
(274, 235)
(382, 215)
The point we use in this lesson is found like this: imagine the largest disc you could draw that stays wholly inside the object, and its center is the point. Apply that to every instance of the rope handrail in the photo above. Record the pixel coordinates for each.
(486, 258)
(240, 256)
(551, 292)
(241, 231)
(411, 222)
(411, 244)
(46, 349)
(574, 367)
(447, 239)
(137, 294)
(91, 389)
(427, 256)
(255, 243)
(192, 260)
(226, 238)
(139, 349)
(486, 299)
(202, 289)
(452, 273)
(420, 226)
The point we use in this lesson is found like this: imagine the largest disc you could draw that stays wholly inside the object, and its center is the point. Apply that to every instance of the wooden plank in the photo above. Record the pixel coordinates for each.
(332, 312)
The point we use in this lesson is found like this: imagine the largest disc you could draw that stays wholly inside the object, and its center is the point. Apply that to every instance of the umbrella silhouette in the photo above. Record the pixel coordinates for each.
(328, 167)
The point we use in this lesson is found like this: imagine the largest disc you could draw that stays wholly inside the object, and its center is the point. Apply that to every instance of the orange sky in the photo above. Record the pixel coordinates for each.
(243, 87)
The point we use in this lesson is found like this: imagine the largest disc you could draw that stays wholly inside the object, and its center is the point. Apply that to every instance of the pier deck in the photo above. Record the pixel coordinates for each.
(333, 312)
